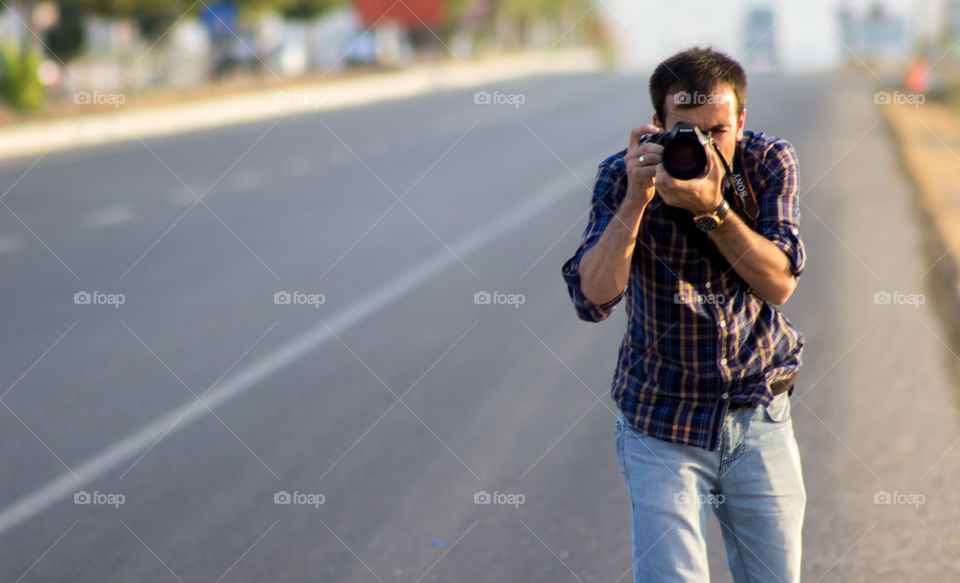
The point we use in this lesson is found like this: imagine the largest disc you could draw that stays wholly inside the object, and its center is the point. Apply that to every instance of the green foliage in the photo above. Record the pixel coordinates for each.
(309, 8)
(20, 85)
(529, 9)
(136, 8)
(153, 17)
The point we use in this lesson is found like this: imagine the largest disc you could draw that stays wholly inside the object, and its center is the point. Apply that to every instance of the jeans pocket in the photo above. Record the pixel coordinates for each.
(778, 411)
(618, 438)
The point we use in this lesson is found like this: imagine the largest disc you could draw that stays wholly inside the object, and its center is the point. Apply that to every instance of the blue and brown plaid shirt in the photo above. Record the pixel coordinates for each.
(697, 337)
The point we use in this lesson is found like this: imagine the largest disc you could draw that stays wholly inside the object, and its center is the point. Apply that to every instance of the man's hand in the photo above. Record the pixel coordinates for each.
(605, 267)
(641, 176)
(698, 195)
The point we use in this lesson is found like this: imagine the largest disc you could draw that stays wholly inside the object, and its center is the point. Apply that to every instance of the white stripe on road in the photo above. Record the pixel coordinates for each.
(249, 376)
(9, 243)
(247, 180)
(186, 194)
(110, 215)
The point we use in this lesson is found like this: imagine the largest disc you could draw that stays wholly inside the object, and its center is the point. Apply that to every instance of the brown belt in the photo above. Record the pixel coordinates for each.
(776, 387)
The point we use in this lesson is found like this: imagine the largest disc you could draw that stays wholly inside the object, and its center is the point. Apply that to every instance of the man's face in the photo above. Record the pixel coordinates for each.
(716, 115)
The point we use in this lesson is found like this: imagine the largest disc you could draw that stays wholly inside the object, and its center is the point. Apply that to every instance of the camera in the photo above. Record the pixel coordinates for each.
(685, 153)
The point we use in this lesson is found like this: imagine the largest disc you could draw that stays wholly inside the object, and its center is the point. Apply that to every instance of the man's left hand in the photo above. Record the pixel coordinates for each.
(698, 195)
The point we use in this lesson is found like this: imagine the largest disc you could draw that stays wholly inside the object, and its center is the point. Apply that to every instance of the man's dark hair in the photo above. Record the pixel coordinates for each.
(696, 71)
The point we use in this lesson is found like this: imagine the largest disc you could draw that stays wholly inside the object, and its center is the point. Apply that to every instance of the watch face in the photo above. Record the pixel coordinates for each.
(707, 222)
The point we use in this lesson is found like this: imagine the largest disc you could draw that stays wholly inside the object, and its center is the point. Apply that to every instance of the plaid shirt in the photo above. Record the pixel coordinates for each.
(697, 338)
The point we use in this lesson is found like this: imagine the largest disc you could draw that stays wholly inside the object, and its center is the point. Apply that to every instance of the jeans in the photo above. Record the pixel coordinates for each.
(753, 483)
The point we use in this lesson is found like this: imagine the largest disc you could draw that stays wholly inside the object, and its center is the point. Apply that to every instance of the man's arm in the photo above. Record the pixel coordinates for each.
(605, 267)
(767, 262)
(763, 265)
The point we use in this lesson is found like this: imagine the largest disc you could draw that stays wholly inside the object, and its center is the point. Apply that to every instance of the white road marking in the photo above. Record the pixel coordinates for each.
(246, 180)
(110, 215)
(183, 196)
(247, 377)
(10, 243)
(300, 166)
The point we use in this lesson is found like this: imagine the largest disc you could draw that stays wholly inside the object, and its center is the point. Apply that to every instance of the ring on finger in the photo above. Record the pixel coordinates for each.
(640, 159)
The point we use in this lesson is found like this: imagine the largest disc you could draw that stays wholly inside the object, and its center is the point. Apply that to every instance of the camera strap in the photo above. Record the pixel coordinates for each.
(745, 199)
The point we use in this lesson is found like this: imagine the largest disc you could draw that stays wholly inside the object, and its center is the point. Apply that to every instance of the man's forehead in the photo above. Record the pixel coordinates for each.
(706, 111)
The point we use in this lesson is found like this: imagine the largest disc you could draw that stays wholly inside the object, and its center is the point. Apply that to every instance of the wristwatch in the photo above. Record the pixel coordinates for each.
(709, 221)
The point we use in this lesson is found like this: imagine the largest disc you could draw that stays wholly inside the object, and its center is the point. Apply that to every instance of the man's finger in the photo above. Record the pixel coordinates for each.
(637, 133)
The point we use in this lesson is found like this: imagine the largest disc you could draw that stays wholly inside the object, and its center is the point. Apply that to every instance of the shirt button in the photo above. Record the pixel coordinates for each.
(723, 361)
(723, 323)
(725, 396)
(707, 285)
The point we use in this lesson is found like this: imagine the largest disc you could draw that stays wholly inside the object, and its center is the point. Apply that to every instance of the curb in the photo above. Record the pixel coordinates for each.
(98, 129)
(944, 280)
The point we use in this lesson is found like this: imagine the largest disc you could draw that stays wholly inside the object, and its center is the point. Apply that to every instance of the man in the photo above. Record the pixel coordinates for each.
(707, 363)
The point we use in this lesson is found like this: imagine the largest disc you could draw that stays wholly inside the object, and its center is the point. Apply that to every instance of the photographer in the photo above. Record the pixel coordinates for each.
(695, 225)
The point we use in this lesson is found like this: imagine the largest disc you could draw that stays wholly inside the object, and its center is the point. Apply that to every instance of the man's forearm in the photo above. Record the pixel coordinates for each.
(605, 267)
(763, 265)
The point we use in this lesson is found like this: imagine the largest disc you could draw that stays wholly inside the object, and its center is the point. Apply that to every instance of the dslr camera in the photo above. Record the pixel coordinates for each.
(685, 148)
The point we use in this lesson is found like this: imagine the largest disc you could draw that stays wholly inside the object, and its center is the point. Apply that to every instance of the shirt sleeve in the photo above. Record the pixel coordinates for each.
(779, 218)
(608, 192)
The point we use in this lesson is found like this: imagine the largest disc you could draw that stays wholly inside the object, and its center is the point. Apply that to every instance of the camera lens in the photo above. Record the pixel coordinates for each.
(685, 159)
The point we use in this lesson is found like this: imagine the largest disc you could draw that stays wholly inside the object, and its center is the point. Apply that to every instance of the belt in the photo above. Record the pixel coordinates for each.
(776, 387)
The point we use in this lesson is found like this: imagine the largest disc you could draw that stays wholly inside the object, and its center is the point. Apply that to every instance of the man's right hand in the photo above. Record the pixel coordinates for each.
(605, 267)
(641, 176)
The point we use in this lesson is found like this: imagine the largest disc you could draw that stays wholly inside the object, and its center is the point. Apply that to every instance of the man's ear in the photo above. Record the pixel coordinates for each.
(656, 121)
(743, 117)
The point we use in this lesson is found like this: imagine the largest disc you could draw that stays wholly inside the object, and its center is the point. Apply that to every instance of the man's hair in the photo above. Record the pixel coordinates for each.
(697, 72)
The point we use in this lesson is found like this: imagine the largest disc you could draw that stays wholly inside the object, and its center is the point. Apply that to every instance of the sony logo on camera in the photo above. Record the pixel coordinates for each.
(684, 150)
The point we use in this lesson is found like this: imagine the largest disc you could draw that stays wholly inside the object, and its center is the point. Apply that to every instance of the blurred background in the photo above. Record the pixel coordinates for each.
(51, 50)
(281, 294)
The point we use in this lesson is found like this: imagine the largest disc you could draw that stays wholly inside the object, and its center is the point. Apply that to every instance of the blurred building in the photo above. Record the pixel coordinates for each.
(788, 35)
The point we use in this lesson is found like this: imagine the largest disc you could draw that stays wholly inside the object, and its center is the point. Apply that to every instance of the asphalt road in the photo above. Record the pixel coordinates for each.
(383, 398)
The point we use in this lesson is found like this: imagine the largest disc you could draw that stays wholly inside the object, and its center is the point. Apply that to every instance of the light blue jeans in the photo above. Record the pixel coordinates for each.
(753, 483)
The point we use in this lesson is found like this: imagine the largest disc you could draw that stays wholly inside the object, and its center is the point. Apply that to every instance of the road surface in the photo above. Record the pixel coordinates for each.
(168, 417)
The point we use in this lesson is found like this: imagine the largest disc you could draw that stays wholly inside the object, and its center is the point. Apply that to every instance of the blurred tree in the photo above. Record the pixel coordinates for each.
(301, 9)
(306, 9)
(153, 17)
(523, 13)
(20, 84)
(65, 40)
(458, 17)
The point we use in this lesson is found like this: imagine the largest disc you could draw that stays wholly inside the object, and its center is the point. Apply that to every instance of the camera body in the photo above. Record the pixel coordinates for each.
(685, 150)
